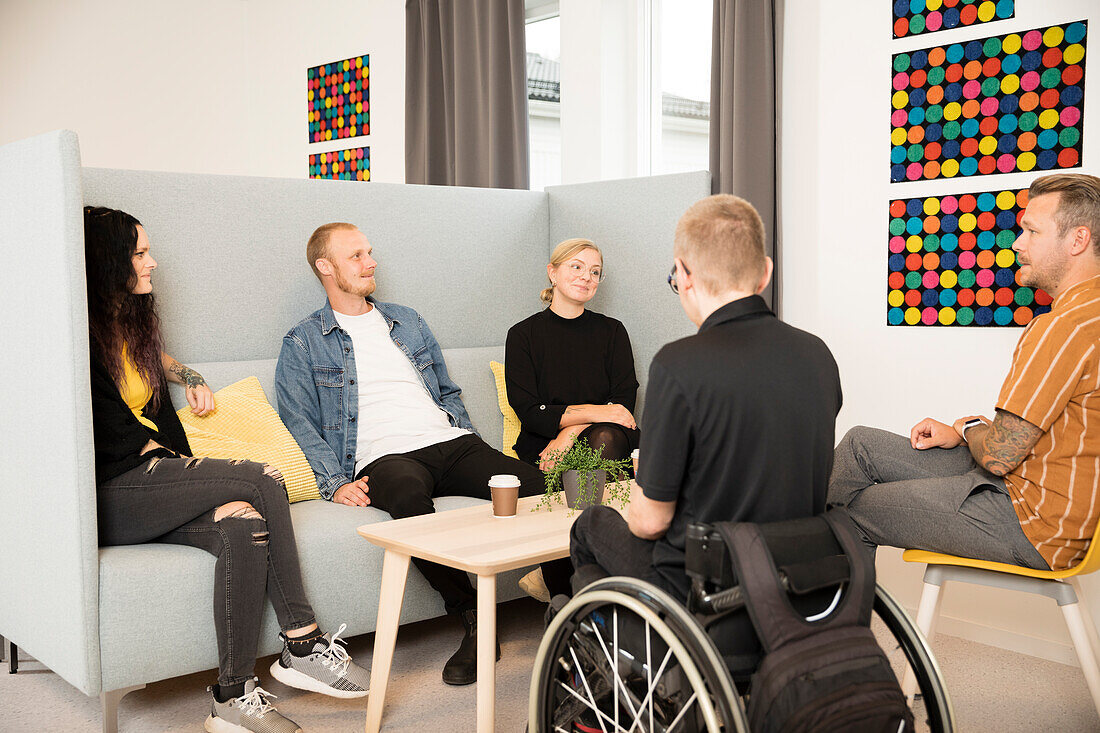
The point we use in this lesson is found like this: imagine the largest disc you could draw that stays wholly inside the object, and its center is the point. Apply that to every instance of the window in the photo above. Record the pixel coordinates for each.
(680, 69)
(544, 101)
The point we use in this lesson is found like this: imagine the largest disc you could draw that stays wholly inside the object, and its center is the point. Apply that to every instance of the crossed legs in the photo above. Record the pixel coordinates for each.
(936, 499)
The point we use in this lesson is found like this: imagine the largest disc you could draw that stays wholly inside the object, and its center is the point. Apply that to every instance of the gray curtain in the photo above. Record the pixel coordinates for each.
(743, 118)
(466, 93)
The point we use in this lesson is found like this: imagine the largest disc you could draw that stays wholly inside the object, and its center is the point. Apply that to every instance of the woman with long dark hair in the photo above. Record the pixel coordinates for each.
(150, 489)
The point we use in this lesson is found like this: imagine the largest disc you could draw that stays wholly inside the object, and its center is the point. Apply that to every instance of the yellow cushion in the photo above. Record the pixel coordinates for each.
(245, 425)
(511, 420)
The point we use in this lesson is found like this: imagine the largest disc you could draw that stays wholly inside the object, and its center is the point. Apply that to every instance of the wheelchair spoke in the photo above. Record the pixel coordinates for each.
(648, 700)
(591, 702)
(615, 665)
(683, 710)
(616, 679)
(648, 673)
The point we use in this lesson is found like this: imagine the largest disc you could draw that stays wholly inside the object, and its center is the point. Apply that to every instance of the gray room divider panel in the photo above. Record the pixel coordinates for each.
(428, 240)
(49, 581)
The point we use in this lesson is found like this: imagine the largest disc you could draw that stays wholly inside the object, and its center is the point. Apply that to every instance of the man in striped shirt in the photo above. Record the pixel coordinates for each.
(1024, 487)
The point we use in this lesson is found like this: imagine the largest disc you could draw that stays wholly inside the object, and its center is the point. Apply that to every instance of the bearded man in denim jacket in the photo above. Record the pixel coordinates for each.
(363, 388)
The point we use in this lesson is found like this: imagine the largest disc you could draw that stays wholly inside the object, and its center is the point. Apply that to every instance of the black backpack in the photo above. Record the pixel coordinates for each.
(823, 675)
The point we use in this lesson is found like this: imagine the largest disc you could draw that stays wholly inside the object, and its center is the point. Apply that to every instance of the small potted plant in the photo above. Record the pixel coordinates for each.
(581, 473)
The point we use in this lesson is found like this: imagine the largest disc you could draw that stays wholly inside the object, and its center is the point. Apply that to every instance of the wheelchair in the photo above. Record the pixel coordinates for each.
(623, 655)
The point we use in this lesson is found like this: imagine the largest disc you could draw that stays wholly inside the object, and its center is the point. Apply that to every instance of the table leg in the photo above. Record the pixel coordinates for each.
(486, 652)
(395, 568)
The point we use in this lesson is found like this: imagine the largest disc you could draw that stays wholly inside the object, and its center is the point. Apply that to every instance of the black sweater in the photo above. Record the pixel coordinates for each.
(553, 362)
(119, 436)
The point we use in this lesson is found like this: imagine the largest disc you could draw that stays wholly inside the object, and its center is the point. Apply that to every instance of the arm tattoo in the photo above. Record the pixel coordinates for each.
(187, 375)
(571, 409)
(1007, 442)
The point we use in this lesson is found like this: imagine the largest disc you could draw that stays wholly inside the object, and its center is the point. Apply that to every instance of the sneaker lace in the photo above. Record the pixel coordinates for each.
(255, 702)
(336, 656)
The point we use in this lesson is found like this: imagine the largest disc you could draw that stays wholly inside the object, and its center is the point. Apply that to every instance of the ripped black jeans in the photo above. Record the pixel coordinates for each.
(173, 500)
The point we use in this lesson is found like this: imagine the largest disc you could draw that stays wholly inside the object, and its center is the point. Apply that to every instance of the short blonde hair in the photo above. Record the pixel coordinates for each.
(317, 247)
(1078, 202)
(564, 251)
(721, 238)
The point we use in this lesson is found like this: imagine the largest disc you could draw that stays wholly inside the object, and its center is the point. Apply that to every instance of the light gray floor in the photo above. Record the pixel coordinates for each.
(993, 690)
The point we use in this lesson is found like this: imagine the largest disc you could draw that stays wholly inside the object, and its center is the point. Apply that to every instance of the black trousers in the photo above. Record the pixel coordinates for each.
(601, 537)
(172, 500)
(405, 484)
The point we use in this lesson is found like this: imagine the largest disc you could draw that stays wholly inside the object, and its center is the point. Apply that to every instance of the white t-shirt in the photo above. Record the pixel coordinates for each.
(396, 412)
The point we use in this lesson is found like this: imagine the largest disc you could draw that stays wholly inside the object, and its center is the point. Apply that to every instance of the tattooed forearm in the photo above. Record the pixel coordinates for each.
(186, 375)
(1005, 443)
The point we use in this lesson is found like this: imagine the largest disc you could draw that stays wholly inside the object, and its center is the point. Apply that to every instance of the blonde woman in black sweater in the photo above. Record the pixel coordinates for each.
(569, 371)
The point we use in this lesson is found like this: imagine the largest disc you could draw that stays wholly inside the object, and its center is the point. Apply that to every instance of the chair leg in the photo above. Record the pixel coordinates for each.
(927, 613)
(1086, 611)
(109, 703)
(13, 657)
(1078, 631)
(3, 648)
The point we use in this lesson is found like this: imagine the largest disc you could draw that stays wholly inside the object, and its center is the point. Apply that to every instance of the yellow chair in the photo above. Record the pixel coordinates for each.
(1061, 585)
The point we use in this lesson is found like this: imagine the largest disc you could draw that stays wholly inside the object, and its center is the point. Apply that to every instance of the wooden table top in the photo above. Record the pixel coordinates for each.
(472, 539)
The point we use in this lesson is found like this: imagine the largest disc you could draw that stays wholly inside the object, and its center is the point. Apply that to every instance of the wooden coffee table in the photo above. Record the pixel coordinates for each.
(469, 539)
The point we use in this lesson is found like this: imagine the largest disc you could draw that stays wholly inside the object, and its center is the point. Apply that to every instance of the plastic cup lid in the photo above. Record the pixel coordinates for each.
(504, 481)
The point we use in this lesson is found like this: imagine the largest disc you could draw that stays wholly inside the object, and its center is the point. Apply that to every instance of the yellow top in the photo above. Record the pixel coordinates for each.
(135, 392)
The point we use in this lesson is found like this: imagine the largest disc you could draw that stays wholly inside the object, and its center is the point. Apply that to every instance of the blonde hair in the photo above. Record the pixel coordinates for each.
(1078, 202)
(564, 251)
(317, 246)
(722, 239)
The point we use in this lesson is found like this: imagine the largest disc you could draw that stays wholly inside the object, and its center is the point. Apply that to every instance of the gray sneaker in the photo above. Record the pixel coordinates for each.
(327, 669)
(249, 713)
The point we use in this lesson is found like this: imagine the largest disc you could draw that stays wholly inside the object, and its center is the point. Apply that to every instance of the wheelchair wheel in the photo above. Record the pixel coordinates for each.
(941, 714)
(623, 655)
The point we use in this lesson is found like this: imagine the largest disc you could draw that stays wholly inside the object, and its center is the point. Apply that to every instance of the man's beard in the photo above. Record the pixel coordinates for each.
(1048, 277)
(362, 290)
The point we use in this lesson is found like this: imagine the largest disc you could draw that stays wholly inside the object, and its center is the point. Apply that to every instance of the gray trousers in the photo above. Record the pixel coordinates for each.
(935, 499)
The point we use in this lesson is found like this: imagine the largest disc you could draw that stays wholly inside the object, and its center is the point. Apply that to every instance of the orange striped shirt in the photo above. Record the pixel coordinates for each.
(1054, 384)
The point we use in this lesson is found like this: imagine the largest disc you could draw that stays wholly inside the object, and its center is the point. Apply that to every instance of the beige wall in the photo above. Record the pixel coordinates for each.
(207, 86)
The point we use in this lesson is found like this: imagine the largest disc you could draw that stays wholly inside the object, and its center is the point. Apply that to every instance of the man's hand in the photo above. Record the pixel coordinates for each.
(352, 494)
(618, 415)
(959, 424)
(201, 399)
(929, 433)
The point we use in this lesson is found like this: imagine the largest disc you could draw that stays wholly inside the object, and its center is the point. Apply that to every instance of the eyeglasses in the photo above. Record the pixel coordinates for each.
(576, 269)
(672, 278)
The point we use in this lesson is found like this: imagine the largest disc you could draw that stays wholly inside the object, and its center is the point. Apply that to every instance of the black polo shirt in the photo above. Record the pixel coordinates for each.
(738, 425)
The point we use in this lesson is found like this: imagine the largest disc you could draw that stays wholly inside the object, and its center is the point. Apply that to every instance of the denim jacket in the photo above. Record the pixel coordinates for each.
(318, 398)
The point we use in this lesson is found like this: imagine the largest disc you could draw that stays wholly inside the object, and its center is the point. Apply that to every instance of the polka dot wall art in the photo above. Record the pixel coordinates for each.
(1005, 104)
(913, 17)
(352, 164)
(951, 262)
(339, 99)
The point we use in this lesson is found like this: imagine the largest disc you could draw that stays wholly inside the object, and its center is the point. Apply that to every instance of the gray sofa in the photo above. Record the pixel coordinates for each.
(232, 279)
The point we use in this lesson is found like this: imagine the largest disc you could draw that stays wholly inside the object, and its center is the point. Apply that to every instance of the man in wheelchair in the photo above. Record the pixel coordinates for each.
(739, 419)
(738, 425)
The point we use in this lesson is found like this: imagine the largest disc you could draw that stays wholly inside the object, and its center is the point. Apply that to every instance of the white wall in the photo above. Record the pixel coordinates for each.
(835, 193)
(207, 86)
